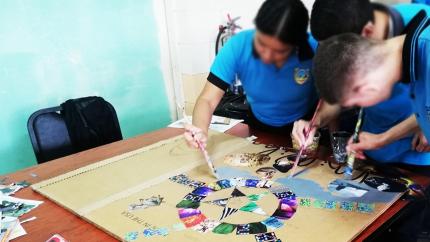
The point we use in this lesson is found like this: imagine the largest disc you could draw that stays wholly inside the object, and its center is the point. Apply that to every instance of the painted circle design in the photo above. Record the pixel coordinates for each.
(192, 217)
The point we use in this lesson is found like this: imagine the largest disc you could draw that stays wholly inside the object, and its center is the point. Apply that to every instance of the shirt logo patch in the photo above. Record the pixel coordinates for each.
(301, 75)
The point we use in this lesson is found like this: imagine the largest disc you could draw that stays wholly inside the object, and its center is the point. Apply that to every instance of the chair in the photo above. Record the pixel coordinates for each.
(50, 135)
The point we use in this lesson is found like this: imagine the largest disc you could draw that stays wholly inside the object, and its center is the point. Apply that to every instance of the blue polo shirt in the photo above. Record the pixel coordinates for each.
(398, 107)
(383, 116)
(277, 96)
(409, 11)
(416, 68)
(421, 1)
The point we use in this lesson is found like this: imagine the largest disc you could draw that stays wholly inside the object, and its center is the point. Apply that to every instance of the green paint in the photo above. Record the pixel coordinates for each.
(51, 51)
(224, 228)
(257, 197)
(187, 204)
(257, 228)
(249, 207)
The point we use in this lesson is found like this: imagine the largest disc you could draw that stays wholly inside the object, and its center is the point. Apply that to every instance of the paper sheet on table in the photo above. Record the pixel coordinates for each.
(27, 205)
(218, 123)
(18, 230)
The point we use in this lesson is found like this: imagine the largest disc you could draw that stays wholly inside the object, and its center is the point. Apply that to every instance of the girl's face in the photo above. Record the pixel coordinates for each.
(271, 50)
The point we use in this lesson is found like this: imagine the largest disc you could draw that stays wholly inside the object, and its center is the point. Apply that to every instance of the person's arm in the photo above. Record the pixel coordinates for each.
(202, 115)
(326, 114)
(369, 141)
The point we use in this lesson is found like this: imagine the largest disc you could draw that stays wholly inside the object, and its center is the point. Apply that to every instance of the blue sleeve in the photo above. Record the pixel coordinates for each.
(224, 68)
(422, 75)
(421, 1)
(424, 63)
(408, 11)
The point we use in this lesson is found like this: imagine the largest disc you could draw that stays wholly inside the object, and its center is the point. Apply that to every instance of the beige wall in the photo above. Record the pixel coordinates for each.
(193, 85)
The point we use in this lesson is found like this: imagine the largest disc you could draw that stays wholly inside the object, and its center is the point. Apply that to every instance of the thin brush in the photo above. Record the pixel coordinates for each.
(200, 145)
(351, 156)
(307, 132)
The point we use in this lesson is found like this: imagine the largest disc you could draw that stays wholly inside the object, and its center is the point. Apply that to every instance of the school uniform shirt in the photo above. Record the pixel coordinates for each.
(277, 96)
(421, 1)
(383, 116)
(408, 11)
(416, 68)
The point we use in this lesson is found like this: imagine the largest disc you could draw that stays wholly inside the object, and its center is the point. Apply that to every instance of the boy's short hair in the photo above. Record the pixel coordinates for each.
(339, 60)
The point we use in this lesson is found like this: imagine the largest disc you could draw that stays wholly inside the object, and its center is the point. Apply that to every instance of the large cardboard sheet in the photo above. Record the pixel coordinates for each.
(103, 192)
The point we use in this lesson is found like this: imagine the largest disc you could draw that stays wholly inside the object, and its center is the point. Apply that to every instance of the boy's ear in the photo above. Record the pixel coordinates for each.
(368, 30)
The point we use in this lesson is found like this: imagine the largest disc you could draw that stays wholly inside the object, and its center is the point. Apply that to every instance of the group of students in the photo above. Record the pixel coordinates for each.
(358, 54)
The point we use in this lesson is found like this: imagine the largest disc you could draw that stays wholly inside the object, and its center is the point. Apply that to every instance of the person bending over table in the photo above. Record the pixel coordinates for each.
(273, 63)
(388, 127)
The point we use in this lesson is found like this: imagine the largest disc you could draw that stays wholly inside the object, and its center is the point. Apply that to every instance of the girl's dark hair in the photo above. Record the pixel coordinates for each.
(288, 21)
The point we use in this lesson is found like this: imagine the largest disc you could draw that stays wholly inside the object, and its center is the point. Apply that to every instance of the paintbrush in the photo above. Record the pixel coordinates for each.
(200, 145)
(306, 133)
(351, 156)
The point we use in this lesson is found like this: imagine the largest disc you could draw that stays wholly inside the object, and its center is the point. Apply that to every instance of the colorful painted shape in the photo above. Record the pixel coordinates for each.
(317, 203)
(224, 228)
(206, 226)
(228, 212)
(264, 184)
(187, 204)
(237, 193)
(188, 212)
(225, 183)
(193, 220)
(193, 197)
(130, 236)
(251, 182)
(257, 197)
(332, 205)
(202, 191)
(305, 202)
(273, 223)
(266, 237)
(365, 207)
(251, 228)
(347, 206)
(286, 209)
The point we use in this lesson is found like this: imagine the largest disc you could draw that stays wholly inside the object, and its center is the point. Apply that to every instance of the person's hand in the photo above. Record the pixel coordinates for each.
(419, 142)
(366, 141)
(299, 129)
(193, 135)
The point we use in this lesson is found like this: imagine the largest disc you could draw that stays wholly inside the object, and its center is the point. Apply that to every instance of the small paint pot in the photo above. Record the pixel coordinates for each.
(311, 149)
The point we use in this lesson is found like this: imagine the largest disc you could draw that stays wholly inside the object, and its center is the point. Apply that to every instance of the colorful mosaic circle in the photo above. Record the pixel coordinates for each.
(192, 217)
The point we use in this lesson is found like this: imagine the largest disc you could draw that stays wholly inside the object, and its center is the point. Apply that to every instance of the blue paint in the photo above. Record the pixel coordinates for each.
(227, 172)
(310, 189)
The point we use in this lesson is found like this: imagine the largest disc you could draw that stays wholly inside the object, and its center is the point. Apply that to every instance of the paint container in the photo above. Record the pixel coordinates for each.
(311, 149)
(339, 141)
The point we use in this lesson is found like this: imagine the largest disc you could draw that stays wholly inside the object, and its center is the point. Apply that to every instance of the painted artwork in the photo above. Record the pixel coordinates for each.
(166, 191)
(286, 207)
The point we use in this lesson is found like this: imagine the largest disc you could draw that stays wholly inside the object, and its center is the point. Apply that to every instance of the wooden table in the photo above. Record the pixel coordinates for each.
(52, 219)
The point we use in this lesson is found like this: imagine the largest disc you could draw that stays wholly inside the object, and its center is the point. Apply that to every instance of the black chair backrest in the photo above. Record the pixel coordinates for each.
(76, 125)
(48, 134)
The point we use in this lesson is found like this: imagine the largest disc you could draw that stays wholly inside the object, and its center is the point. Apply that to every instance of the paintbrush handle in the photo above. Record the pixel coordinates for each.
(207, 158)
(306, 133)
(351, 156)
(296, 162)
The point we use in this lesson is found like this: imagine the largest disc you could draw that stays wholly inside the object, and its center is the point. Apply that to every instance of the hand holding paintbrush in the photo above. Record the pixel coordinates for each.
(351, 156)
(196, 136)
(306, 134)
